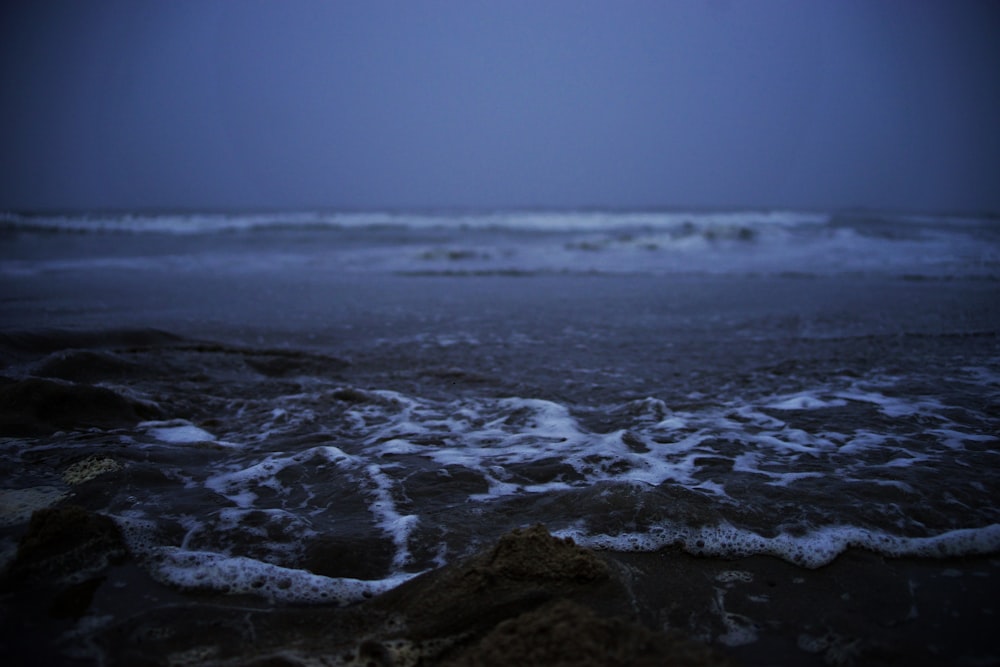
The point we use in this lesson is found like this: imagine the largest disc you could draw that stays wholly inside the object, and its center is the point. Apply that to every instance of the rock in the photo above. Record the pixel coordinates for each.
(17, 505)
(568, 634)
(87, 366)
(61, 561)
(89, 468)
(534, 554)
(525, 569)
(533, 599)
(34, 407)
(65, 545)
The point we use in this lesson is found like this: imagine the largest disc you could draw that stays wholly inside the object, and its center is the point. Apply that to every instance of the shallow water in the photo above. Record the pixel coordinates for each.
(334, 408)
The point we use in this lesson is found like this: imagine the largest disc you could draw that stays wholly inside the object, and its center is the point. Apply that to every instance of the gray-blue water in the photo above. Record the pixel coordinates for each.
(344, 400)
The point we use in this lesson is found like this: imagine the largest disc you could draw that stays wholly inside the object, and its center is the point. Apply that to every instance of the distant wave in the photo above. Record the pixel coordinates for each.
(517, 243)
(541, 221)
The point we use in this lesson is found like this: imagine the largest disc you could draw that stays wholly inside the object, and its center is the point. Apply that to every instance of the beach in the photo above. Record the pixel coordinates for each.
(776, 433)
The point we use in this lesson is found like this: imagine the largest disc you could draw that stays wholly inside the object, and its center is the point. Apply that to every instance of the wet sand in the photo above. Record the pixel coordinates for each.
(72, 597)
(862, 609)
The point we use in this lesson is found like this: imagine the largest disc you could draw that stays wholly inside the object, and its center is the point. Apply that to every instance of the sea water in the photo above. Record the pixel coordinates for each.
(346, 400)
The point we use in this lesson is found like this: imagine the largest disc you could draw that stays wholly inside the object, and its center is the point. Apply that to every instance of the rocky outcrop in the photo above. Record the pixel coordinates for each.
(37, 407)
(62, 558)
(567, 634)
(66, 544)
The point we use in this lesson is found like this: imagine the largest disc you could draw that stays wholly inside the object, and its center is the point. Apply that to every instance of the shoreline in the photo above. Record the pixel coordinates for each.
(860, 609)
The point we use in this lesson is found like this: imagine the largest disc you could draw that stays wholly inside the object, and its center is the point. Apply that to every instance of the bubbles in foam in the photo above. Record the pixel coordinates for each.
(239, 485)
(953, 439)
(888, 405)
(396, 525)
(812, 550)
(201, 570)
(729, 477)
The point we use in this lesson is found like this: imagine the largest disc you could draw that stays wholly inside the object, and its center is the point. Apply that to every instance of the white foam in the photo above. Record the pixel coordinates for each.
(724, 450)
(862, 440)
(138, 531)
(804, 401)
(241, 486)
(953, 439)
(656, 242)
(203, 570)
(753, 462)
(195, 569)
(489, 436)
(812, 550)
(888, 405)
(673, 423)
(387, 517)
(177, 432)
(740, 630)
(397, 446)
(237, 485)
(734, 576)
(543, 221)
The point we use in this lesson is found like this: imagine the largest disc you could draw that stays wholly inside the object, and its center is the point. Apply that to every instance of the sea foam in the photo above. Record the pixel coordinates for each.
(202, 570)
(812, 550)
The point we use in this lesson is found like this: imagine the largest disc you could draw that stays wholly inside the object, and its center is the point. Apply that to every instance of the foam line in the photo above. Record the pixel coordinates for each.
(203, 570)
(811, 550)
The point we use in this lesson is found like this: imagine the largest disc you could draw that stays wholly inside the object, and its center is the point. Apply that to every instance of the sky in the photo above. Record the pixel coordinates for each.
(379, 104)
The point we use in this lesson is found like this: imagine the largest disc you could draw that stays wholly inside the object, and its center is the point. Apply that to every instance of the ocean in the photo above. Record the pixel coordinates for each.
(282, 410)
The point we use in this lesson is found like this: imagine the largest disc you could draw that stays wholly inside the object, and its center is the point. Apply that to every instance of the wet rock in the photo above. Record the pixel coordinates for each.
(34, 407)
(352, 395)
(532, 599)
(87, 366)
(65, 545)
(534, 554)
(45, 341)
(61, 562)
(524, 569)
(285, 364)
(17, 505)
(566, 633)
(90, 468)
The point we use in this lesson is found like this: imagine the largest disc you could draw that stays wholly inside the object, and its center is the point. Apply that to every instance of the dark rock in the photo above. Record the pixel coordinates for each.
(525, 569)
(87, 366)
(74, 601)
(45, 341)
(283, 364)
(534, 554)
(34, 407)
(65, 545)
(352, 395)
(567, 633)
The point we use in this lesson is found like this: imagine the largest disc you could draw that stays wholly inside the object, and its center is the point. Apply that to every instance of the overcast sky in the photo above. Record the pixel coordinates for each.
(503, 103)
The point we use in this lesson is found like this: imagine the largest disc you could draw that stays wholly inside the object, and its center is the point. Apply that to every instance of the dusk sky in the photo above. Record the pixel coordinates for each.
(469, 103)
